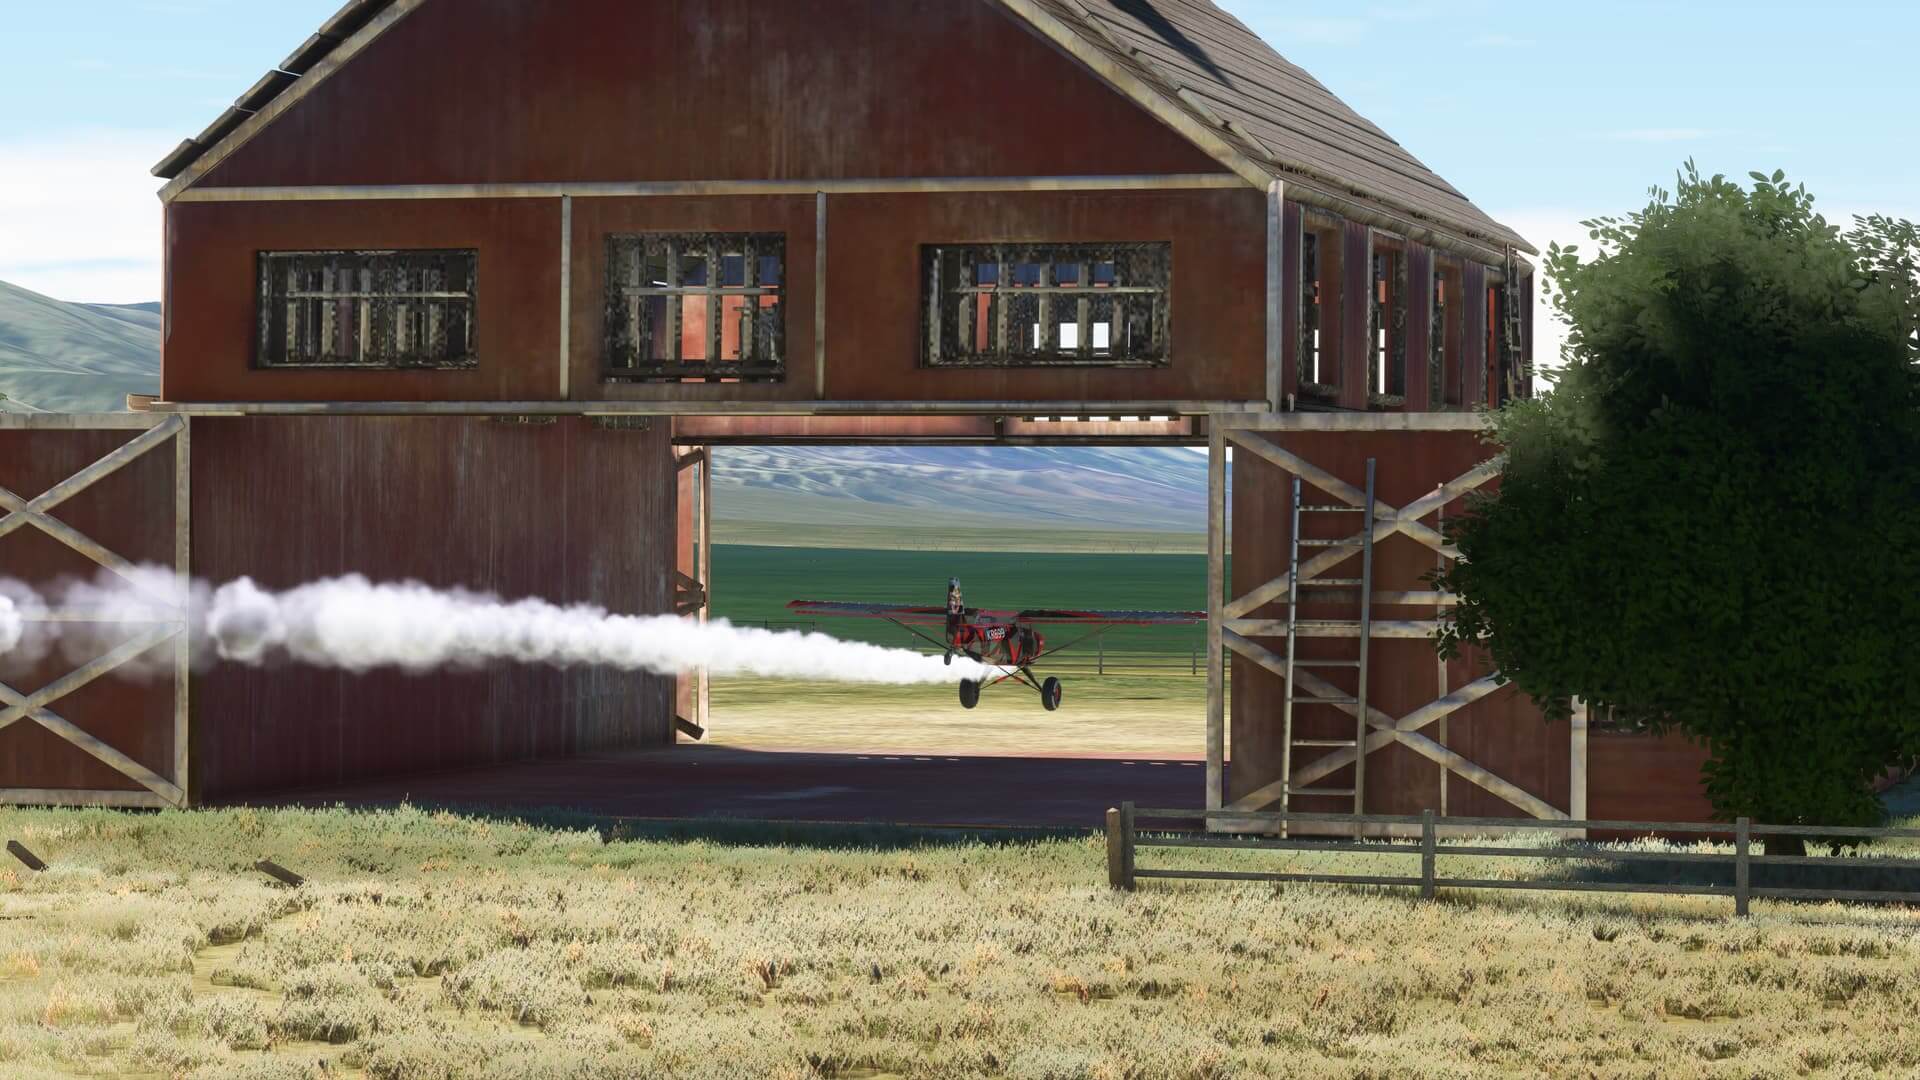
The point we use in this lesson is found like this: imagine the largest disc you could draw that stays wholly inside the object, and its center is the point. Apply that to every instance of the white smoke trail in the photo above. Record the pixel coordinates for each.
(354, 624)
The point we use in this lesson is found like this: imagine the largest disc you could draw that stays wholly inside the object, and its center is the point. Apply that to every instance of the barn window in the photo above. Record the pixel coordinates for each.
(367, 309)
(1319, 300)
(1387, 371)
(1039, 305)
(1438, 389)
(696, 307)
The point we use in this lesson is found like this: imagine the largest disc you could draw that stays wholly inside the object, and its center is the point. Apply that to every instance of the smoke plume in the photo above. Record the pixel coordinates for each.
(353, 624)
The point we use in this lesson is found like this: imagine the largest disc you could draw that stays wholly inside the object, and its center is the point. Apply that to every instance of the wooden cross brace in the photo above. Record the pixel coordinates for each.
(1387, 731)
(1387, 520)
(19, 706)
(37, 512)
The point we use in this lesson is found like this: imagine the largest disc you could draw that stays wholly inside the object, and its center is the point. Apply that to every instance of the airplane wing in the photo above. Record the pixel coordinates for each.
(900, 613)
(1070, 616)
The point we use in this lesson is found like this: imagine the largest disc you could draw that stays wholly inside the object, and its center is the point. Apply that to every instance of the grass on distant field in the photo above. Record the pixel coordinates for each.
(429, 947)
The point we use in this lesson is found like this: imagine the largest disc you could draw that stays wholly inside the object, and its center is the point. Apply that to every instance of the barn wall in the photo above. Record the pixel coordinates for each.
(567, 511)
(131, 514)
(505, 91)
(874, 303)
(1502, 732)
(212, 250)
(1644, 778)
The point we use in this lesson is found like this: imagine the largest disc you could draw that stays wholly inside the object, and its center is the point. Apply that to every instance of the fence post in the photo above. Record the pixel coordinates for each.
(1427, 852)
(1126, 846)
(1193, 659)
(1116, 859)
(1103, 655)
(1742, 865)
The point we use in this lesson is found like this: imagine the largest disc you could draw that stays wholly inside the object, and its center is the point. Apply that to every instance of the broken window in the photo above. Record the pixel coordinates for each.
(1387, 369)
(1022, 305)
(367, 309)
(696, 307)
(1319, 300)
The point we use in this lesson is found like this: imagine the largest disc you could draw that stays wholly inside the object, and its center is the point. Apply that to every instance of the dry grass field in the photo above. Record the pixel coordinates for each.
(429, 946)
(1103, 715)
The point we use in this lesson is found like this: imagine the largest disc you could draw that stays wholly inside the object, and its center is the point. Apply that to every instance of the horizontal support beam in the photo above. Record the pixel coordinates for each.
(1355, 421)
(697, 408)
(1384, 629)
(126, 421)
(654, 189)
(119, 800)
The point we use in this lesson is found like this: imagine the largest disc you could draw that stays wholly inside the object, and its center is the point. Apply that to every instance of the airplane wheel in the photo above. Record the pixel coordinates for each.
(1050, 694)
(969, 693)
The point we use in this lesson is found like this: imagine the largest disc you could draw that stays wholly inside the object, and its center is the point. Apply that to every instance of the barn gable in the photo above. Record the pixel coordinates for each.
(834, 90)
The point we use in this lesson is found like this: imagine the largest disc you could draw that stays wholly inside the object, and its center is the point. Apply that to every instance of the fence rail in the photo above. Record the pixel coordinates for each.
(1125, 837)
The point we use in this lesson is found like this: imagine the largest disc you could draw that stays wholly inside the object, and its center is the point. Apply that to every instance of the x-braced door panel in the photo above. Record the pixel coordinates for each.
(107, 681)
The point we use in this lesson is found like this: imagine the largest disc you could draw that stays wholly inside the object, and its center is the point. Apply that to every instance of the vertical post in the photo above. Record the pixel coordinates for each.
(1276, 378)
(1427, 853)
(1126, 846)
(704, 690)
(1439, 611)
(1216, 589)
(1116, 858)
(183, 573)
(1102, 661)
(1577, 762)
(820, 296)
(1742, 865)
(566, 297)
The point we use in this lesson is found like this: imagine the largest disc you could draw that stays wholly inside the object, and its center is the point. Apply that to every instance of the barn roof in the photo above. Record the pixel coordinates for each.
(1194, 65)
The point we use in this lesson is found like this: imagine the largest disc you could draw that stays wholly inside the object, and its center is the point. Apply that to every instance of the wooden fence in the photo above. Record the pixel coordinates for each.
(1268, 832)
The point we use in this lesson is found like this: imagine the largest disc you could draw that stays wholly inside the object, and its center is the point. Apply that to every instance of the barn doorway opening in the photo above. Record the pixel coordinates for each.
(1103, 527)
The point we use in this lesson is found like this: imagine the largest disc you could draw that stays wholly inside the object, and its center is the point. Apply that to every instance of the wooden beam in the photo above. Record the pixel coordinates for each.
(1312, 474)
(1276, 321)
(666, 407)
(566, 297)
(1368, 422)
(1217, 525)
(666, 189)
(1482, 776)
(1386, 629)
(79, 797)
(183, 577)
(820, 296)
(310, 80)
(22, 706)
(24, 513)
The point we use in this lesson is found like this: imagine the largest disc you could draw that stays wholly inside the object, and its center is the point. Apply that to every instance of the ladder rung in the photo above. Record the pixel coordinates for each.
(1326, 624)
(1330, 543)
(1332, 583)
(1325, 742)
(1346, 791)
(1326, 701)
(1326, 509)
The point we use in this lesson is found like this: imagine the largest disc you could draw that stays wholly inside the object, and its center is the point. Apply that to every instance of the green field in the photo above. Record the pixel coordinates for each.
(436, 947)
(752, 586)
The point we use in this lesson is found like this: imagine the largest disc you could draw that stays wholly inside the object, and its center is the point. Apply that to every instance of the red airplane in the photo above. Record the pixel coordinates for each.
(1002, 639)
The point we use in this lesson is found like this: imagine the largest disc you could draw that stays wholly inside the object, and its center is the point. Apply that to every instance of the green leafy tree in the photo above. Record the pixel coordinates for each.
(1712, 522)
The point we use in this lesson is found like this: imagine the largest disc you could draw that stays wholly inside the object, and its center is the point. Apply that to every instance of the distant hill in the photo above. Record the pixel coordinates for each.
(65, 357)
(62, 357)
(1022, 498)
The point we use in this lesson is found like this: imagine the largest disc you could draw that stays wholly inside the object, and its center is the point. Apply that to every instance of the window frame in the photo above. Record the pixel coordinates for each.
(269, 298)
(1319, 364)
(943, 345)
(626, 314)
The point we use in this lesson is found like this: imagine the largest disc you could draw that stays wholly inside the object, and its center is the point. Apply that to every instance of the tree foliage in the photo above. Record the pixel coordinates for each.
(1712, 523)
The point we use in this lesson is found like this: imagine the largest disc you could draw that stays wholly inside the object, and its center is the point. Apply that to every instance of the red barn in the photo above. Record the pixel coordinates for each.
(460, 290)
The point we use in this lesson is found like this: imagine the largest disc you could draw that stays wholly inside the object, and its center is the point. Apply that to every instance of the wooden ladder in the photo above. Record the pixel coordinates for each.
(1360, 628)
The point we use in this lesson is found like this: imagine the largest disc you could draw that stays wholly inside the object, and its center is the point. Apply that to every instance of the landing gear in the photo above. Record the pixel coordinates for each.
(1050, 694)
(969, 693)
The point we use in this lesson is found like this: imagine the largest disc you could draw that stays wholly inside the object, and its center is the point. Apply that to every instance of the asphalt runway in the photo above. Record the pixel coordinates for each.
(696, 782)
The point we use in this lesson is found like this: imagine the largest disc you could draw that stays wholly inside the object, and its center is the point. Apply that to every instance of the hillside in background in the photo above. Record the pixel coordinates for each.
(967, 498)
(62, 357)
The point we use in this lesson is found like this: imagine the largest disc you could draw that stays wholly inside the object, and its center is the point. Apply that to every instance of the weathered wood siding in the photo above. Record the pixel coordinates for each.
(567, 512)
(131, 514)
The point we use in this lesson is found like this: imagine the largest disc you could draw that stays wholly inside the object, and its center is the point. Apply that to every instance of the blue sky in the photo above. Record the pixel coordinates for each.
(1543, 111)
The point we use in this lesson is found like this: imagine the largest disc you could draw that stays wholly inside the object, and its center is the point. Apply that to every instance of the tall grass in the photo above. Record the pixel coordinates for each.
(432, 945)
